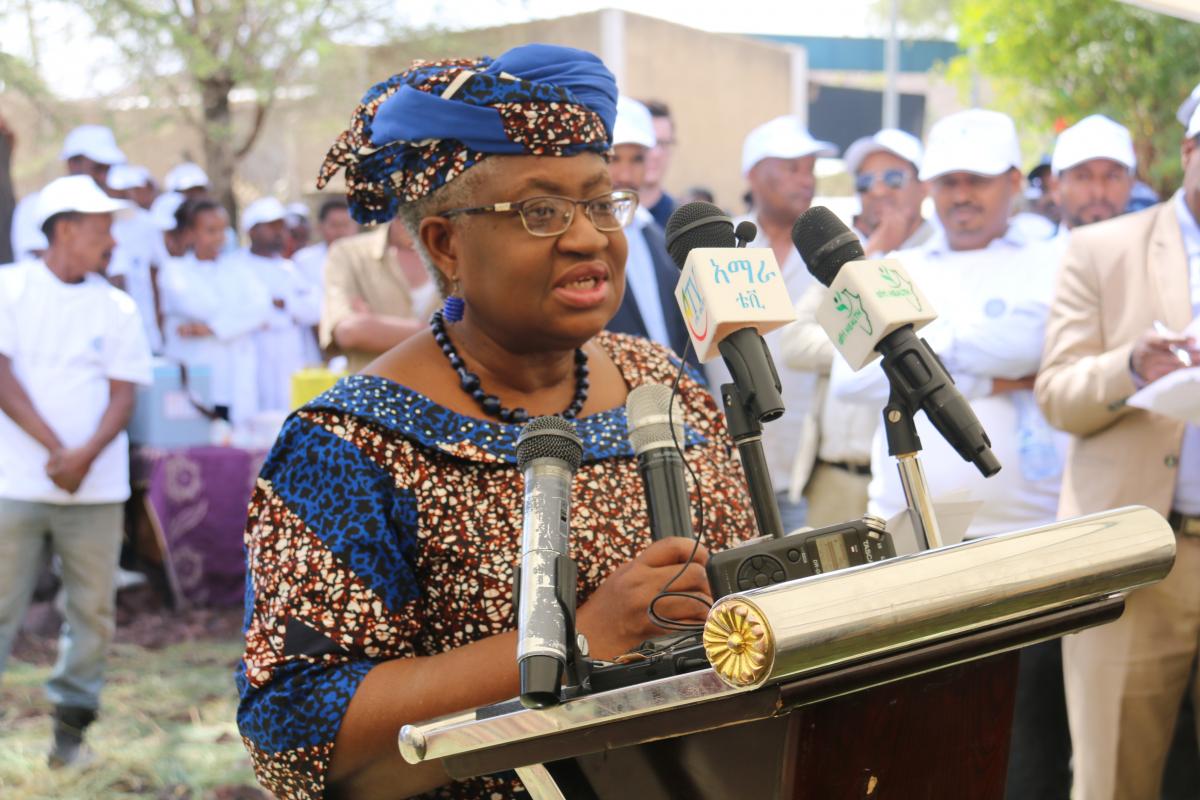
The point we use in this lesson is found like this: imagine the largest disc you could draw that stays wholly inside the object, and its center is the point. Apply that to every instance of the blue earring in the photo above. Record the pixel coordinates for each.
(452, 308)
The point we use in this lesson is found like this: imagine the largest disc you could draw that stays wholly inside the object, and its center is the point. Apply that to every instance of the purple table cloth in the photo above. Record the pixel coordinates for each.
(199, 496)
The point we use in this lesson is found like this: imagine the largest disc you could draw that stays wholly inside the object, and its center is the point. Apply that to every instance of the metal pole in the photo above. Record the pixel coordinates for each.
(891, 68)
(920, 503)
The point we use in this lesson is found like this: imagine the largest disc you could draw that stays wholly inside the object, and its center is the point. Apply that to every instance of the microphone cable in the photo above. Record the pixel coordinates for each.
(658, 619)
(745, 232)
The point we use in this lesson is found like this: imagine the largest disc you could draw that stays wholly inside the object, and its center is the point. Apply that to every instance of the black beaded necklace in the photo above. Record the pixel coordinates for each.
(489, 402)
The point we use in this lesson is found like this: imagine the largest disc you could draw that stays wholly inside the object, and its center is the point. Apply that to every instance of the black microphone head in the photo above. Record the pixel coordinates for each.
(549, 437)
(697, 225)
(746, 232)
(825, 243)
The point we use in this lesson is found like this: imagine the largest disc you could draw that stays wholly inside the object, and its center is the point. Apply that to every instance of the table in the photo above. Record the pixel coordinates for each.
(192, 503)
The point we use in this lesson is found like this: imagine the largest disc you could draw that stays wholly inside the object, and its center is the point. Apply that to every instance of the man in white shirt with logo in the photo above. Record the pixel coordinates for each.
(778, 161)
(991, 291)
(287, 344)
(72, 349)
(991, 296)
(834, 466)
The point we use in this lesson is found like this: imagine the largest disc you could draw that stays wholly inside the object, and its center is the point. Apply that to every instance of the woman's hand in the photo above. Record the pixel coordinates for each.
(615, 617)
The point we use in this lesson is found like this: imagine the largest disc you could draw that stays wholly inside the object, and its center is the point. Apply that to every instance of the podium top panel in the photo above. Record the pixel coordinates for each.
(459, 733)
(864, 614)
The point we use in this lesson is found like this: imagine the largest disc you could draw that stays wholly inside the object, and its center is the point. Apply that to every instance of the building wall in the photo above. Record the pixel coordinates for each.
(719, 87)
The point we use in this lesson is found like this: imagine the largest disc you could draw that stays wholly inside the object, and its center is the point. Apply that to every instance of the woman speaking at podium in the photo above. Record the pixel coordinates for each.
(386, 522)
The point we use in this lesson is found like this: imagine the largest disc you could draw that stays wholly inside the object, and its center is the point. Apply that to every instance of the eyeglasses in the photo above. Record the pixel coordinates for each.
(892, 178)
(551, 216)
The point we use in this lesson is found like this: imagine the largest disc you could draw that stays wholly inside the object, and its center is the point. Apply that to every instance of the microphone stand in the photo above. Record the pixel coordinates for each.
(905, 445)
(579, 666)
(752, 399)
(746, 430)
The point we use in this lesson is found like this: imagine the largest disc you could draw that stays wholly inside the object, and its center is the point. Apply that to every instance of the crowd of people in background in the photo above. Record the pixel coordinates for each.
(250, 307)
(1059, 294)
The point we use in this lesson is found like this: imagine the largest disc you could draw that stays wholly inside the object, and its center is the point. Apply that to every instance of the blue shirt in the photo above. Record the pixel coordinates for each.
(641, 280)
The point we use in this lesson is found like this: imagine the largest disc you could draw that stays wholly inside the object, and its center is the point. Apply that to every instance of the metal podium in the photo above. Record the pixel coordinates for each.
(890, 680)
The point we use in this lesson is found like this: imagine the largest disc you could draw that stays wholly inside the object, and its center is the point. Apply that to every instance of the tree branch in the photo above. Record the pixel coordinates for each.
(261, 110)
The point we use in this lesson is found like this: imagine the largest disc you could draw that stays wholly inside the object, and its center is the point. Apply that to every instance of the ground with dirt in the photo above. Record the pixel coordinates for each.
(166, 728)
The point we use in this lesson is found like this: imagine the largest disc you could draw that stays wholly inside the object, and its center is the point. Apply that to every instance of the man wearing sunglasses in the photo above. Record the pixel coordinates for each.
(648, 308)
(884, 167)
(834, 467)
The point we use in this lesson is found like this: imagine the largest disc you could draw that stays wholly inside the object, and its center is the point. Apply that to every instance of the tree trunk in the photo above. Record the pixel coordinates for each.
(219, 157)
(8, 198)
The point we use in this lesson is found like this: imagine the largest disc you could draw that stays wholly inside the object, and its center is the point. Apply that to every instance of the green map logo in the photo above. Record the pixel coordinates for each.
(851, 305)
(897, 285)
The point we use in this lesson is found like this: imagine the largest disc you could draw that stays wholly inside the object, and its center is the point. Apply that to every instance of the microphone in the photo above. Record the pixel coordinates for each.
(723, 288)
(647, 410)
(873, 308)
(729, 297)
(548, 454)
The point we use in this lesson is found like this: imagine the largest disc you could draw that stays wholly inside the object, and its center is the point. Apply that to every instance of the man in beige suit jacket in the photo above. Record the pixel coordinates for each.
(1125, 680)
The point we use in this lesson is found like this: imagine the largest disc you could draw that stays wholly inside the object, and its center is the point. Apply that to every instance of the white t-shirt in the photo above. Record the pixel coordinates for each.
(992, 306)
(66, 342)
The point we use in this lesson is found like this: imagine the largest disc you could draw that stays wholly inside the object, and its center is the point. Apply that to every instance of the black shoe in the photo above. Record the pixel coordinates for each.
(69, 724)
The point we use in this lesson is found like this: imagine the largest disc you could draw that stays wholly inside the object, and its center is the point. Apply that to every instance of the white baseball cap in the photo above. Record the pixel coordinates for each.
(264, 209)
(128, 176)
(185, 176)
(634, 124)
(163, 210)
(1096, 136)
(1188, 106)
(1193, 125)
(977, 140)
(889, 140)
(782, 137)
(92, 141)
(297, 209)
(77, 193)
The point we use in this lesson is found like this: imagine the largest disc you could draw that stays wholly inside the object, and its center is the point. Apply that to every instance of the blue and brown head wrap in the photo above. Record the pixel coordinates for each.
(420, 129)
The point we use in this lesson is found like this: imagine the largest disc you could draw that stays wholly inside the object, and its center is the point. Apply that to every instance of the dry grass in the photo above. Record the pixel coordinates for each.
(166, 728)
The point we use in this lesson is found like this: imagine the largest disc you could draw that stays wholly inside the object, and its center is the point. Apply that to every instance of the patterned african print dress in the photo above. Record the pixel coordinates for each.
(386, 526)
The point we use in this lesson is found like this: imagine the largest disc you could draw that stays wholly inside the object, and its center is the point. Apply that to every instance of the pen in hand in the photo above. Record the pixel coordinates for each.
(1179, 352)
